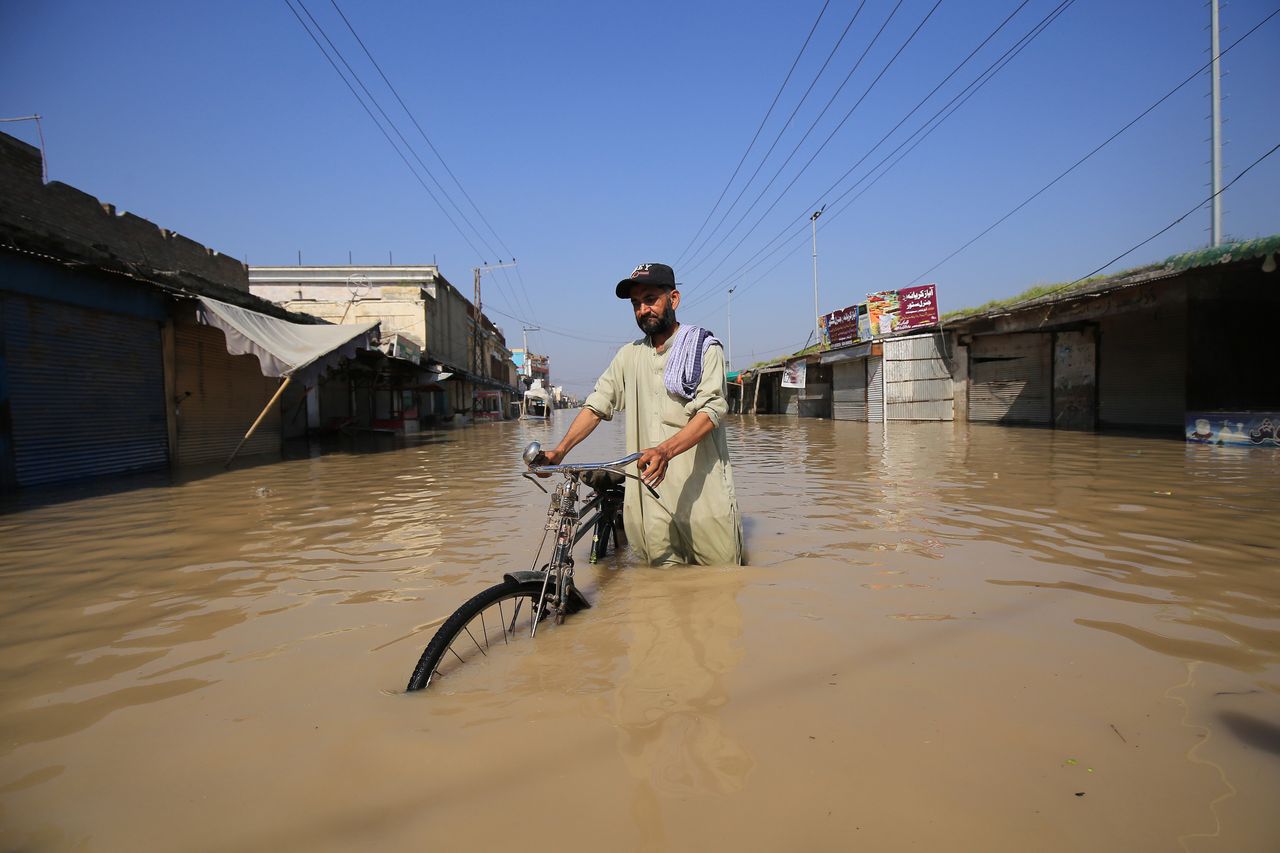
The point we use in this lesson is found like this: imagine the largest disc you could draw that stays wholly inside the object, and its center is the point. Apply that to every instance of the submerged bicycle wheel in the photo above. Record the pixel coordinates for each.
(485, 624)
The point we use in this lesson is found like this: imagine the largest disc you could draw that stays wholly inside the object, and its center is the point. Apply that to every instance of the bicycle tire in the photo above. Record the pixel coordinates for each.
(458, 625)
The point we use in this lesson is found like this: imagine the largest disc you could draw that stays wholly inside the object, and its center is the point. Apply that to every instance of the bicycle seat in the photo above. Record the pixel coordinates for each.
(602, 480)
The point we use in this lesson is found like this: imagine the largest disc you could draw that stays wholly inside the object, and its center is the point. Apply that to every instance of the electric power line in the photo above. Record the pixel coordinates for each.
(752, 144)
(1141, 115)
(1025, 40)
(381, 129)
(1096, 149)
(830, 136)
(812, 127)
(416, 124)
(778, 137)
(508, 291)
(561, 332)
(931, 124)
(524, 291)
(1199, 205)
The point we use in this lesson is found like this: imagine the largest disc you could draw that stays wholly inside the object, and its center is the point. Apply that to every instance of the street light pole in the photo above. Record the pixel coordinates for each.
(728, 362)
(1215, 222)
(817, 328)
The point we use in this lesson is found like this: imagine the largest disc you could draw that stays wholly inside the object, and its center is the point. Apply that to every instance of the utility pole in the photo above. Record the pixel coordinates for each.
(477, 348)
(1215, 228)
(728, 362)
(817, 329)
(528, 363)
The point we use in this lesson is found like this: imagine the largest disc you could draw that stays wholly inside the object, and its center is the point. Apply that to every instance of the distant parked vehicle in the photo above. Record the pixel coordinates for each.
(537, 402)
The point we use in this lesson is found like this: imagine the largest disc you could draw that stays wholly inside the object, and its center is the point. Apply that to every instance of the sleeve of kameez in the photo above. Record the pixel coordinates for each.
(607, 396)
(711, 397)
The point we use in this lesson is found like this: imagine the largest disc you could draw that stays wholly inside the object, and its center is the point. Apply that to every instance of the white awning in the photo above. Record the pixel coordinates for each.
(295, 350)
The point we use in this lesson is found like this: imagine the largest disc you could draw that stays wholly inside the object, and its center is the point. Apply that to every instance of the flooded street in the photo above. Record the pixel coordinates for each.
(960, 638)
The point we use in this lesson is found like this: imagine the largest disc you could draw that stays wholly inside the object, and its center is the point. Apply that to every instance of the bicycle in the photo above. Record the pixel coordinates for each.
(549, 592)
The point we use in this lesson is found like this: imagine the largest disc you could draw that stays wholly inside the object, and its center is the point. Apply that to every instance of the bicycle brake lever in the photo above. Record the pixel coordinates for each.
(641, 482)
(531, 478)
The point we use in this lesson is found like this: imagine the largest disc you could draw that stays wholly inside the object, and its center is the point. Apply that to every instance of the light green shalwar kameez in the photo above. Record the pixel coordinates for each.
(695, 518)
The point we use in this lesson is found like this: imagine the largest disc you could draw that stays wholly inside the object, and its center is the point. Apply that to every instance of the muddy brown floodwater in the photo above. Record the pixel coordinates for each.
(953, 638)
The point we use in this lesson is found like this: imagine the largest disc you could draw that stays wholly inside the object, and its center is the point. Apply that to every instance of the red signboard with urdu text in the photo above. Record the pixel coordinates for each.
(840, 328)
(917, 307)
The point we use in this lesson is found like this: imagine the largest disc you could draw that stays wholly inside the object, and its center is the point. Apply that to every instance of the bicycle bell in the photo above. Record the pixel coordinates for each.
(531, 453)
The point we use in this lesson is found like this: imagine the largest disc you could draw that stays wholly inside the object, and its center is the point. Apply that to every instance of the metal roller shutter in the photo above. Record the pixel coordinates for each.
(1142, 368)
(875, 389)
(86, 391)
(1010, 379)
(220, 395)
(849, 390)
(917, 379)
(789, 401)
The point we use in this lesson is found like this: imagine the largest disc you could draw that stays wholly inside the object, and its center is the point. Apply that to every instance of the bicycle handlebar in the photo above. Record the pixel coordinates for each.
(534, 450)
(583, 467)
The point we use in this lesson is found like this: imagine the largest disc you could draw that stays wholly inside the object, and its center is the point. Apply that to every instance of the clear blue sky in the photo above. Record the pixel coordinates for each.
(594, 136)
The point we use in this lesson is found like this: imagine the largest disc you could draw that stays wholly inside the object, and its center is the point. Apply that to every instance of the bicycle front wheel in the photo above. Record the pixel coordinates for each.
(485, 624)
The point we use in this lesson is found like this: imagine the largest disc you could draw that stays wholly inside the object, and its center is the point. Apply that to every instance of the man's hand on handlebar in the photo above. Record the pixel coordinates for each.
(547, 457)
(653, 466)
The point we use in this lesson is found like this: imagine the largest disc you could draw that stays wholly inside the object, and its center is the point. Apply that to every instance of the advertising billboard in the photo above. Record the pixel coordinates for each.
(794, 373)
(917, 307)
(882, 311)
(840, 328)
(886, 312)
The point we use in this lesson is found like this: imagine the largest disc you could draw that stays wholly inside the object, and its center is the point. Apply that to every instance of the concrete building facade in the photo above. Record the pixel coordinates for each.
(466, 366)
(104, 367)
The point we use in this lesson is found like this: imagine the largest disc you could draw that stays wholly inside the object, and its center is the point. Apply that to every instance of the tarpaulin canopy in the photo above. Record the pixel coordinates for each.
(286, 349)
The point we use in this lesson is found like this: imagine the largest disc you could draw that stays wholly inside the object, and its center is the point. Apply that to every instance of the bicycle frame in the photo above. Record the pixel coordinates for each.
(565, 519)
(569, 522)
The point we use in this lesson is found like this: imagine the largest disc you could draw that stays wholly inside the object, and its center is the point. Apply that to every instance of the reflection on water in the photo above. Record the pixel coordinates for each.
(933, 621)
(682, 642)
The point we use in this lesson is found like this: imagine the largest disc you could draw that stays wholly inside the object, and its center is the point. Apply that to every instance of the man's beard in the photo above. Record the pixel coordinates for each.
(658, 325)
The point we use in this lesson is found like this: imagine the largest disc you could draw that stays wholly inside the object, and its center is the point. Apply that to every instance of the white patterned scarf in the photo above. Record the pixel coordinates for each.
(683, 372)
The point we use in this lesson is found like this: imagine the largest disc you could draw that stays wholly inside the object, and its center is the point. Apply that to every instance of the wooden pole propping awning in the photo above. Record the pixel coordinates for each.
(288, 351)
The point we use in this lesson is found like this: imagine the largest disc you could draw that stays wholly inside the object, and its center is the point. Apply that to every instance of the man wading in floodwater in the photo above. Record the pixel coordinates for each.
(670, 386)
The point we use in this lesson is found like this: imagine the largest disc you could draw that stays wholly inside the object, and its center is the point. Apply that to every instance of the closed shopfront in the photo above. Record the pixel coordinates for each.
(1142, 368)
(1010, 379)
(789, 401)
(219, 396)
(875, 389)
(86, 390)
(849, 390)
(917, 379)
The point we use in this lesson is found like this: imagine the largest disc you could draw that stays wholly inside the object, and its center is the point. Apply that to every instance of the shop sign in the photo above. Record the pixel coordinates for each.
(840, 328)
(793, 374)
(884, 313)
(917, 307)
(404, 348)
(1239, 429)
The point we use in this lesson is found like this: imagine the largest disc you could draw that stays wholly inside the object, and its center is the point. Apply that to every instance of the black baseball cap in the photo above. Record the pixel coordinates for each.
(659, 274)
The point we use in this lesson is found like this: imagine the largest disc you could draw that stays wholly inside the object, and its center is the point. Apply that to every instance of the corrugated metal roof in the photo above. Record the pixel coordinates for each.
(1172, 266)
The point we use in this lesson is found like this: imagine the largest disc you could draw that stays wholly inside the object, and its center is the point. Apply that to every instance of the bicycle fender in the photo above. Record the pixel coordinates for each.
(522, 577)
(577, 601)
